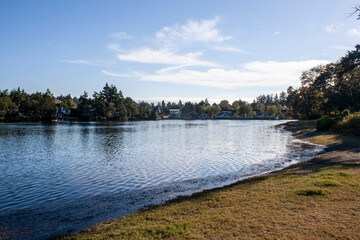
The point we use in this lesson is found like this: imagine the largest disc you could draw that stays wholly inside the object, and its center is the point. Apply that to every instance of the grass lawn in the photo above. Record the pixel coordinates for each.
(314, 200)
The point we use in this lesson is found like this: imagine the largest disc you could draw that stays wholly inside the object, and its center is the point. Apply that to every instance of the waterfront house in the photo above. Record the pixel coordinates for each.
(224, 114)
(64, 112)
(175, 113)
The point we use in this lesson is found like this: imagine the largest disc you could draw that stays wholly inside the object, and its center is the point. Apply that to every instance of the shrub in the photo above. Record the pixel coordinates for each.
(324, 123)
(350, 124)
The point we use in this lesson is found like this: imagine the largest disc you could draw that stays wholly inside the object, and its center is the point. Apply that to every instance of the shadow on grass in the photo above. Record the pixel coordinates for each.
(310, 192)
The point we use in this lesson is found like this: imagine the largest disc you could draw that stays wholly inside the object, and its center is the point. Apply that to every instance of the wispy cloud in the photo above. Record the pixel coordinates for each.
(119, 75)
(114, 47)
(121, 36)
(87, 62)
(213, 99)
(276, 33)
(333, 28)
(98, 63)
(253, 74)
(193, 31)
(340, 47)
(354, 32)
(229, 49)
(164, 56)
(330, 28)
(78, 61)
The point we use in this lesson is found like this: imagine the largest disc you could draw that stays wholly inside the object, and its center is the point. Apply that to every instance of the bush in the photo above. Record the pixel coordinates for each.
(324, 123)
(350, 124)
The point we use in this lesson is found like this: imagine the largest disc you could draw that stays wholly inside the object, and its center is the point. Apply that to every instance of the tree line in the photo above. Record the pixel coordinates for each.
(110, 104)
(328, 89)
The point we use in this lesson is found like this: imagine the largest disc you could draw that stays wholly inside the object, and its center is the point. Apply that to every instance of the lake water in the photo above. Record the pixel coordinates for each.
(70, 175)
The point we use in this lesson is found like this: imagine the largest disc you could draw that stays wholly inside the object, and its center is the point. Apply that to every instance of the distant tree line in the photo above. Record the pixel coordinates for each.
(110, 104)
(17, 105)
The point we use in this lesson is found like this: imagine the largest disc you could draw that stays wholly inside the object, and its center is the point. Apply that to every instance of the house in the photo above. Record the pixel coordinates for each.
(174, 112)
(58, 102)
(64, 112)
(156, 108)
(224, 114)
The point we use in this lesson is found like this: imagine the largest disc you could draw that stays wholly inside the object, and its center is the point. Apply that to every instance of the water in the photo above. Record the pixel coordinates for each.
(70, 175)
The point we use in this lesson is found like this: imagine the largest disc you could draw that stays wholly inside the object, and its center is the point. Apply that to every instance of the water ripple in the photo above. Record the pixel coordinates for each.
(69, 175)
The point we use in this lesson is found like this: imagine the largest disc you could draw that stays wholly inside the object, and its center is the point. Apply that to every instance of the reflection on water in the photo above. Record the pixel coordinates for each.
(69, 175)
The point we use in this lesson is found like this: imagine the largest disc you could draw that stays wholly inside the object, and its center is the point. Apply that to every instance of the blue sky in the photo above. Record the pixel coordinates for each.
(153, 50)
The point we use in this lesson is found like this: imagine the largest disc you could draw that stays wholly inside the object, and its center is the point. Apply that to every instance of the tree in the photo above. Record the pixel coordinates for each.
(207, 102)
(356, 11)
(8, 109)
(262, 108)
(215, 109)
(122, 112)
(328, 89)
(225, 106)
(189, 111)
(276, 99)
(282, 98)
(246, 110)
(144, 111)
(271, 110)
(132, 109)
(180, 104)
(85, 102)
(47, 106)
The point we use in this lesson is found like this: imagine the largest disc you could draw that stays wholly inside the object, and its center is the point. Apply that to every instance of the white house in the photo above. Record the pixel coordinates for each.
(174, 112)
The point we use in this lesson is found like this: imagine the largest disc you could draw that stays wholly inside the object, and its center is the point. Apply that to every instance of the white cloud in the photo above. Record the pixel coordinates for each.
(340, 47)
(78, 61)
(114, 47)
(333, 28)
(176, 99)
(193, 31)
(253, 74)
(164, 56)
(87, 62)
(276, 33)
(229, 49)
(354, 32)
(330, 28)
(213, 99)
(121, 36)
(120, 75)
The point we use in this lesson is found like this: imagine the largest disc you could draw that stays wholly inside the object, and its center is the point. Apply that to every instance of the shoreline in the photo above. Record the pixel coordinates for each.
(341, 152)
(78, 119)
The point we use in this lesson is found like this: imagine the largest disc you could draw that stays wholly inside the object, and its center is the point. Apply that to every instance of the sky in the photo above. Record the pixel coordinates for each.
(171, 50)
